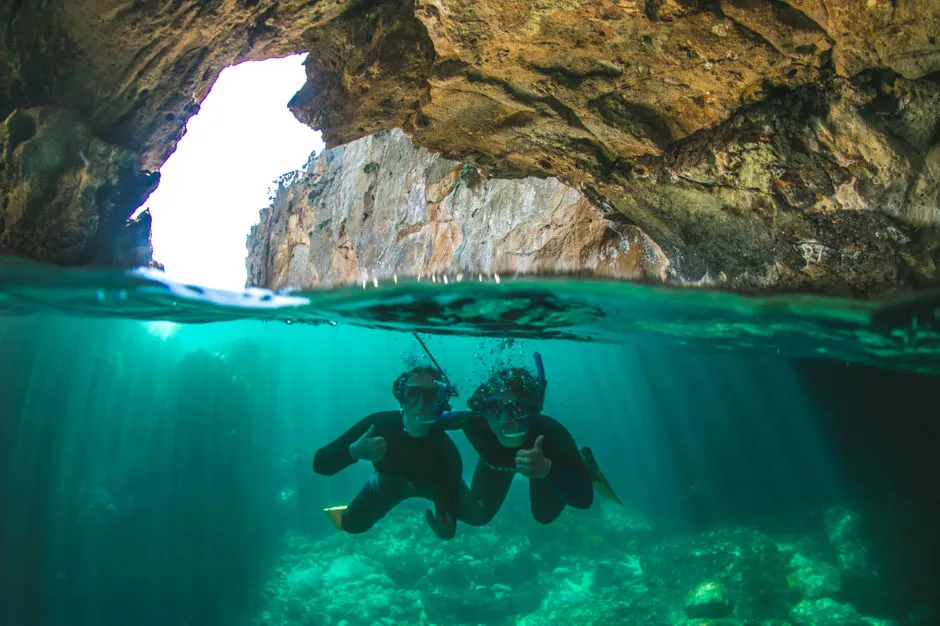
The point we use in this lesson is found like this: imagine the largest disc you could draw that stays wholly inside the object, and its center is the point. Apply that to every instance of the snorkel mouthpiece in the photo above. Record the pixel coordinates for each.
(512, 428)
(426, 419)
(510, 418)
(434, 418)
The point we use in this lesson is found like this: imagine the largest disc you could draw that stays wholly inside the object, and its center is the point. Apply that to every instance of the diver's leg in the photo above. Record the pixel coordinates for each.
(469, 509)
(597, 478)
(488, 490)
(545, 503)
(378, 496)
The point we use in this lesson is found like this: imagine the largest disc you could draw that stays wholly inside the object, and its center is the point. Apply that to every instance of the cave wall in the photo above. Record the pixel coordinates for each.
(67, 195)
(763, 144)
(120, 79)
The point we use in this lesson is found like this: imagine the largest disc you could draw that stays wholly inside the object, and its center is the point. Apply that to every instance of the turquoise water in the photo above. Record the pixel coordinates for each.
(896, 333)
(157, 443)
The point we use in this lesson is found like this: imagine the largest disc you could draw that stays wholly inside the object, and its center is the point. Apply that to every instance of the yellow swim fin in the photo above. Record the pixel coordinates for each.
(600, 483)
(335, 513)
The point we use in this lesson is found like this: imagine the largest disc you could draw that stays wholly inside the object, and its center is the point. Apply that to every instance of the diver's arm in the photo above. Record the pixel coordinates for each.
(454, 420)
(335, 456)
(568, 476)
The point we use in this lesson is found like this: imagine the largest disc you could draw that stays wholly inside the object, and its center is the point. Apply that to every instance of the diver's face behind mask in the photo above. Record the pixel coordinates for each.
(421, 403)
(509, 417)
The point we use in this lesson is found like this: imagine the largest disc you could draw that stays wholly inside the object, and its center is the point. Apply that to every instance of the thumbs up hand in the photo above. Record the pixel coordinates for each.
(369, 447)
(533, 463)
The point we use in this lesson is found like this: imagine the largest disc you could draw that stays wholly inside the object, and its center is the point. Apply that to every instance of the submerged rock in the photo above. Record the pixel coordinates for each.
(518, 572)
(327, 582)
(747, 563)
(814, 579)
(844, 530)
(828, 612)
(709, 600)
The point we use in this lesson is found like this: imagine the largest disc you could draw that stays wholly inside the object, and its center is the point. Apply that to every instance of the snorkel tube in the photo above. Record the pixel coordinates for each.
(540, 379)
(451, 390)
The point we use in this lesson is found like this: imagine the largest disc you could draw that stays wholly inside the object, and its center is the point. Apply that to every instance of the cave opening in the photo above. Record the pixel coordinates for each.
(223, 171)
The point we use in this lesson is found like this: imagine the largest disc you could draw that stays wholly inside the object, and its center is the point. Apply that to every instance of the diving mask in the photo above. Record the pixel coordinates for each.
(510, 416)
(425, 402)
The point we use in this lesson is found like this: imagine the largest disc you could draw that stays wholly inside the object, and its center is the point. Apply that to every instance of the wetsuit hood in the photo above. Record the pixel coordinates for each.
(511, 400)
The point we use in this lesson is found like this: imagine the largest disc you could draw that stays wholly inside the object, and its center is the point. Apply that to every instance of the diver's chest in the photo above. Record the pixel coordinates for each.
(499, 456)
(408, 452)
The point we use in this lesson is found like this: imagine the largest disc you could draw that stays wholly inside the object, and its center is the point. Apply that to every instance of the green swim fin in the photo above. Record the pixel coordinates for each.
(600, 482)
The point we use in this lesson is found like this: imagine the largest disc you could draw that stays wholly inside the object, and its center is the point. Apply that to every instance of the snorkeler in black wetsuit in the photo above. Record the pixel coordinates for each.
(508, 430)
(412, 455)
(546, 454)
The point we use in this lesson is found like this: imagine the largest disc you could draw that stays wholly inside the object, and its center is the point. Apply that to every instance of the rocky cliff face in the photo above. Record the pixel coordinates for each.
(764, 144)
(379, 207)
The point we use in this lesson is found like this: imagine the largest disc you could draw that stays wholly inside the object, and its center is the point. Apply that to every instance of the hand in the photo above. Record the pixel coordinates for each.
(533, 463)
(443, 525)
(368, 448)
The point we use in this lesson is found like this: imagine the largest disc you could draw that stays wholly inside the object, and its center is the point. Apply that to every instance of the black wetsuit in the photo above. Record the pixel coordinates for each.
(414, 467)
(568, 482)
